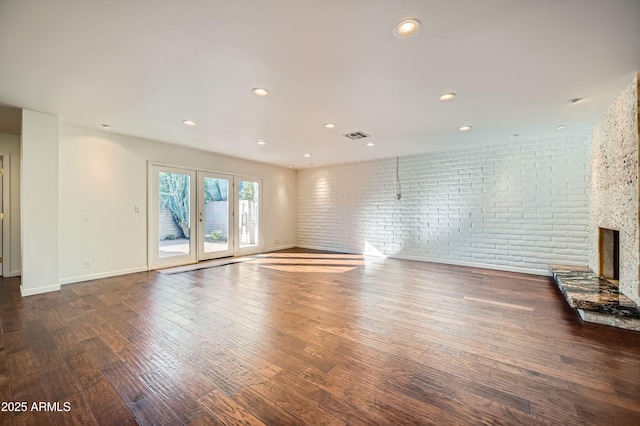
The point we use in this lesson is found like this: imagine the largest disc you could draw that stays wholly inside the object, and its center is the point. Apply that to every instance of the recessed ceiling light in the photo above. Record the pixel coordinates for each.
(370, 144)
(575, 100)
(407, 28)
(106, 126)
(307, 155)
(447, 96)
(465, 128)
(562, 126)
(188, 122)
(261, 143)
(259, 91)
(329, 125)
(290, 166)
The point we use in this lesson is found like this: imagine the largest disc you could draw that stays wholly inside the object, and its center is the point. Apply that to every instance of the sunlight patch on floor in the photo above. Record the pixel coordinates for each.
(333, 263)
(311, 268)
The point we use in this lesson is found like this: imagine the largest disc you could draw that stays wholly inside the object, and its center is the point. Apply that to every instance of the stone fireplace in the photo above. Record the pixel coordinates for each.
(607, 291)
(614, 230)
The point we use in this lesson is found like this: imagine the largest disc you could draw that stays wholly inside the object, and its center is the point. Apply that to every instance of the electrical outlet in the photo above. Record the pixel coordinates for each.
(87, 264)
(137, 209)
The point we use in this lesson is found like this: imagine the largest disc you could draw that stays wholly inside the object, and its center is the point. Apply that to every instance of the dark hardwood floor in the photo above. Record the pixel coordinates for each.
(311, 338)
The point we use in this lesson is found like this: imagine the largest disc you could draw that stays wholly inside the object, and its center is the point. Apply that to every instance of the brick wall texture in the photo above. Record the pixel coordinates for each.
(515, 207)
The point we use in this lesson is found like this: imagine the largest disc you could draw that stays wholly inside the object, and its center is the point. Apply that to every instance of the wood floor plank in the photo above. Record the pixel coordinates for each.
(358, 402)
(66, 342)
(226, 411)
(384, 341)
(301, 386)
(263, 408)
(40, 342)
(52, 319)
(29, 389)
(12, 321)
(599, 413)
(195, 385)
(79, 412)
(21, 363)
(56, 379)
(7, 419)
(302, 409)
(102, 399)
(147, 408)
(412, 380)
(171, 394)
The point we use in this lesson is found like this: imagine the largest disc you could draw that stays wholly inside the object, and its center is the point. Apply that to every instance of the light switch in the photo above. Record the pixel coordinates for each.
(86, 217)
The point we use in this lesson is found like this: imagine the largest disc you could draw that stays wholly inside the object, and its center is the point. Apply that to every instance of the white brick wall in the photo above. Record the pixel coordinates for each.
(515, 207)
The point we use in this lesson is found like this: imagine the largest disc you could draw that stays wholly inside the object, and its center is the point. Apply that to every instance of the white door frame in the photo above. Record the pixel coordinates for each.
(6, 209)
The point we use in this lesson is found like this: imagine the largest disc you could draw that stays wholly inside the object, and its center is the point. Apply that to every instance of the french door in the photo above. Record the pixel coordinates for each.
(215, 202)
(171, 216)
(248, 207)
(191, 216)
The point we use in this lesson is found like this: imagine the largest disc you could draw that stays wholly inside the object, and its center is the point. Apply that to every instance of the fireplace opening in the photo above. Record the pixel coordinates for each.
(610, 254)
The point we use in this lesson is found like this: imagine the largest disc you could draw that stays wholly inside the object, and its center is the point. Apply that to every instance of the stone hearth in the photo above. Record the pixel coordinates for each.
(596, 299)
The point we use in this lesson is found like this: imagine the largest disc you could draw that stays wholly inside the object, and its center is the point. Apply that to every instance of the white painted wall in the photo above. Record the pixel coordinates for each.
(10, 144)
(105, 174)
(39, 198)
(515, 207)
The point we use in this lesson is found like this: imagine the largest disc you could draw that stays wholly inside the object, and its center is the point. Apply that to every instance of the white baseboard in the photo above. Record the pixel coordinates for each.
(38, 290)
(98, 276)
(284, 247)
(544, 272)
(333, 249)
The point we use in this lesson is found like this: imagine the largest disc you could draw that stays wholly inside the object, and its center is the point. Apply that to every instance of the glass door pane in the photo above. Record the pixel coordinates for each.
(214, 216)
(248, 215)
(175, 214)
(172, 234)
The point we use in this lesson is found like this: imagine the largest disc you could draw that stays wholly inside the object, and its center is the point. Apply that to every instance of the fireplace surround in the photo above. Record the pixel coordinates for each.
(614, 194)
(608, 290)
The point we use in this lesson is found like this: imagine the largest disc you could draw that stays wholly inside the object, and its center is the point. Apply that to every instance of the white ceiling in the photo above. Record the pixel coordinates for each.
(145, 65)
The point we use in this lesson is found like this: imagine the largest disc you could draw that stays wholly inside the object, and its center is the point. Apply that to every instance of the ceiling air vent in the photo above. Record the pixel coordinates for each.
(356, 135)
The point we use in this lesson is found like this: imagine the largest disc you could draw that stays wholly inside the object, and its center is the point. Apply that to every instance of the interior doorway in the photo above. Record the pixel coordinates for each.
(5, 209)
